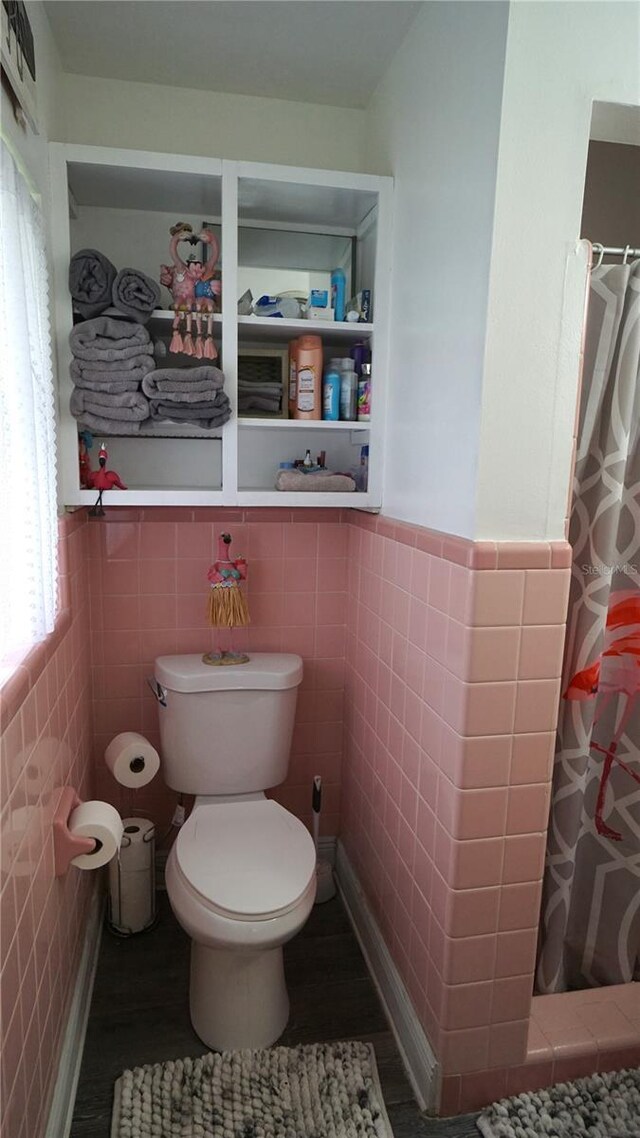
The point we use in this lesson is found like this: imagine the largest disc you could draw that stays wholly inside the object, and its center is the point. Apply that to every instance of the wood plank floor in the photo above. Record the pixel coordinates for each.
(139, 1014)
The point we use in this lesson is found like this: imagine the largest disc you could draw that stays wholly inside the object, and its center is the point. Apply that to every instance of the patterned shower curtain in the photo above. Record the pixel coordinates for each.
(590, 921)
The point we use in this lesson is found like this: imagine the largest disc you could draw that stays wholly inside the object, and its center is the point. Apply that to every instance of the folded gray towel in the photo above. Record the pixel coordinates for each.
(184, 386)
(115, 386)
(100, 426)
(135, 294)
(106, 339)
(258, 403)
(91, 277)
(115, 377)
(142, 362)
(209, 415)
(269, 389)
(127, 406)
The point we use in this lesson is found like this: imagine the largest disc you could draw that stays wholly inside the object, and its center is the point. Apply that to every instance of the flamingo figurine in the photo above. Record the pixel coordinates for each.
(180, 280)
(102, 480)
(616, 672)
(207, 292)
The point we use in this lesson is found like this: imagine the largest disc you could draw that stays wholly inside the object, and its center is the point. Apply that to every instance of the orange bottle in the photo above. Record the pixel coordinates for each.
(293, 377)
(309, 378)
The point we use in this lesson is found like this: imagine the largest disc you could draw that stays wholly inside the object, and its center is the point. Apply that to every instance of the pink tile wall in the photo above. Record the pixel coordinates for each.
(45, 745)
(453, 671)
(148, 573)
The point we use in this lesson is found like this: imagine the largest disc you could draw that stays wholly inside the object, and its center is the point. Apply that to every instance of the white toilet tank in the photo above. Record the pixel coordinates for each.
(226, 730)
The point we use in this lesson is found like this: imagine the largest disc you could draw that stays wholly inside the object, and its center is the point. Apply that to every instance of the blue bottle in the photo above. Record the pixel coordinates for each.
(331, 395)
(338, 293)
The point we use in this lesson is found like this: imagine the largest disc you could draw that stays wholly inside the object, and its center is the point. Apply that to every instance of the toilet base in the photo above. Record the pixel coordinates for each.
(237, 999)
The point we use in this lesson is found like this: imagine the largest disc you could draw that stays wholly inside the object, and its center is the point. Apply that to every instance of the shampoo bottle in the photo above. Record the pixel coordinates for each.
(331, 394)
(364, 394)
(348, 395)
(293, 377)
(309, 378)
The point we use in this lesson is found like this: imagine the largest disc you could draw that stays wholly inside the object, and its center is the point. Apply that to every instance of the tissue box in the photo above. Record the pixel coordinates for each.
(318, 306)
(314, 313)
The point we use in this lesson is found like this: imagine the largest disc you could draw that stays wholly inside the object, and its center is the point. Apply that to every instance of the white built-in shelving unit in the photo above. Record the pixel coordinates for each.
(269, 219)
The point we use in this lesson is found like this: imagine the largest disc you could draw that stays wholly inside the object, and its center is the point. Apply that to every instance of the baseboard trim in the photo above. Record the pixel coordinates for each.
(64, 1094)
(420, 1062)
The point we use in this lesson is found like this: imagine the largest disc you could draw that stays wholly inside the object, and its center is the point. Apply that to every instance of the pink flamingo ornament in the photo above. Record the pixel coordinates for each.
(102, 480)
(181, 283)
(208, 289)
(194, 290)
(615, 673)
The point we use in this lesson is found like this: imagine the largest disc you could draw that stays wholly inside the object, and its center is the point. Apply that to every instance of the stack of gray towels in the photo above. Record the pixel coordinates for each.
(96, 286)
(256, 396)
(188, 395)
(110, 360)
(118, 389)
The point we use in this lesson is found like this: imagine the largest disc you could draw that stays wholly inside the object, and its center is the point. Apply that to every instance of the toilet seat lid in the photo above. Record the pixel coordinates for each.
(247, 860)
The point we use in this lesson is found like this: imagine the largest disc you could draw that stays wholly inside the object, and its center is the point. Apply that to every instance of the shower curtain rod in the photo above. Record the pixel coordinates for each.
(607, 251)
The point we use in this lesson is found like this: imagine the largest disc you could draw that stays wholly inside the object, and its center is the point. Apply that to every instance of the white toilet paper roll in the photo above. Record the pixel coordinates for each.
(100, 821)
(131, 759)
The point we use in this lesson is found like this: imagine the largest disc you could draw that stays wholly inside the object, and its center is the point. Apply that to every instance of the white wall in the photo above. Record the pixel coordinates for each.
(560, 57)
(433, 122)
(147, 116)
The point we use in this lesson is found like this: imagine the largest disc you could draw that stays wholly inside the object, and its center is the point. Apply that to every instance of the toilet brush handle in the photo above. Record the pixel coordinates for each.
(316, 806)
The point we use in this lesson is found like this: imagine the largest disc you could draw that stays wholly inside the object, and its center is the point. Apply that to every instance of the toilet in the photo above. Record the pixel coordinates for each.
(241, 874)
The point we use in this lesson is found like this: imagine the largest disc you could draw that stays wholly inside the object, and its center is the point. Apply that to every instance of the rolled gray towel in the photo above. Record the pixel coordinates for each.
(91, 277)
(175, 384)
(106, 339)
(125, 406)
(135, 294)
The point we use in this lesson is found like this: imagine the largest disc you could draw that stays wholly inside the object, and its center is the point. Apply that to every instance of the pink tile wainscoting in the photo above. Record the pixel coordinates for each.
(454, 658)
(148, 574)
(45, 745)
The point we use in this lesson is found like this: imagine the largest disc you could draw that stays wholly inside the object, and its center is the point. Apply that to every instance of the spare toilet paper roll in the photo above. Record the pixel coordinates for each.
(137, 847)
(100, 821)
(132, 878)
(131, 759)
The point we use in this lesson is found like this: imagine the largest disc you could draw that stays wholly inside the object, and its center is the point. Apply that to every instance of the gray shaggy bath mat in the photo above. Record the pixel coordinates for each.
(601, 1106)
(321, 1090)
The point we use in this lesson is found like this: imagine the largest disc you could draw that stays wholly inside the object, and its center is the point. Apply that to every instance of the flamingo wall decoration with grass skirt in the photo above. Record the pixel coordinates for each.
(227, 603)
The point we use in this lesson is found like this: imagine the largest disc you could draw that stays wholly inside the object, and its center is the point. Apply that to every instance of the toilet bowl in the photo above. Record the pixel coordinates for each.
(241, 881)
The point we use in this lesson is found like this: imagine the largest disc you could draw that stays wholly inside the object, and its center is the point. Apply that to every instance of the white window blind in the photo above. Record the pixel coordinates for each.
(28, 510)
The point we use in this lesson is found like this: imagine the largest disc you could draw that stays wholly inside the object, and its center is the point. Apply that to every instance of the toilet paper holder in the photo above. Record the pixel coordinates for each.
(66, 845)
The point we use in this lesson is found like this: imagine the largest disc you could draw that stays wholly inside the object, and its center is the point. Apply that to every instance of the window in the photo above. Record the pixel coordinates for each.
(28, 512)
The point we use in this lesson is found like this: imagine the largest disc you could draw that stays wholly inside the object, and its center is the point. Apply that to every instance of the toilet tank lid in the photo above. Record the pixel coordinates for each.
(266, 671)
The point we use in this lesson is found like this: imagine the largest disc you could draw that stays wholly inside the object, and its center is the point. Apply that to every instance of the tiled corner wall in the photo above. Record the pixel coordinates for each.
(148, 574)
(454, 655)
(45, 745)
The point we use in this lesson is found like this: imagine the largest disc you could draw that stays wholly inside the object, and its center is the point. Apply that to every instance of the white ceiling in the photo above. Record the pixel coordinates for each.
(317, 51)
